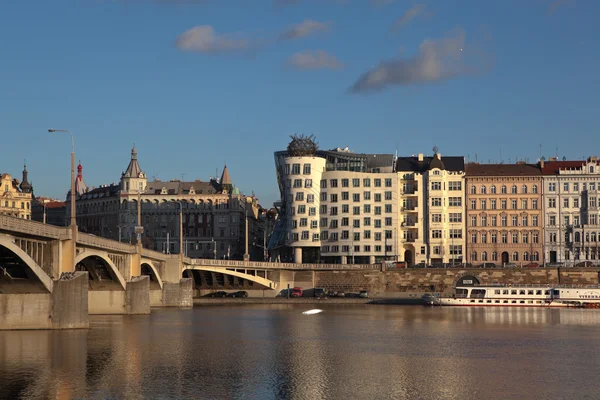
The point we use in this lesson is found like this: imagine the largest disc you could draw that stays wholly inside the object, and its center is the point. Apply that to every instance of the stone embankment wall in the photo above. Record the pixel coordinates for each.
(443, 279)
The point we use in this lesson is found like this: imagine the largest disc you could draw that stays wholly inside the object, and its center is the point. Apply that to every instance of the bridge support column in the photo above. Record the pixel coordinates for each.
(135, 299)
(66, 254)
(65, 308)
(298, 255)
(178, 294)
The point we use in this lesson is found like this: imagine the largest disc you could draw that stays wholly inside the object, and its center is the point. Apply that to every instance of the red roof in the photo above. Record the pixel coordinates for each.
(552, 167)
(56, 204)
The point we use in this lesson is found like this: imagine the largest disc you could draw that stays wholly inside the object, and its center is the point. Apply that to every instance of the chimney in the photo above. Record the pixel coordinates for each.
(420, 157)
(542, 163)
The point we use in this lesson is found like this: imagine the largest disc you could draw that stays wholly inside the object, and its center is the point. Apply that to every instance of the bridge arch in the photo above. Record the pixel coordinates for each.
(8, 243)
(111, 267)
(147, 265)
(267, 283)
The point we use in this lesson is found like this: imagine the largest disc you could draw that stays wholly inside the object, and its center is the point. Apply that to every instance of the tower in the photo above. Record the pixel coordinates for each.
(226, 180)
(25, 185)
(133, 180)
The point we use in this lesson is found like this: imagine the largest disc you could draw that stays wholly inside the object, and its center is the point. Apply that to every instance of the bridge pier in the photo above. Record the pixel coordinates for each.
(174, 294)
(65, 307)
(135, 299)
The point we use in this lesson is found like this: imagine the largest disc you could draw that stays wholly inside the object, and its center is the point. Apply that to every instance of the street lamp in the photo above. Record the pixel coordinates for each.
(180, 232)
(73, 221)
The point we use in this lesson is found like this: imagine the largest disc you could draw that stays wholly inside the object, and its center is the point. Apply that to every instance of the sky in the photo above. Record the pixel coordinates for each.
(197, 84)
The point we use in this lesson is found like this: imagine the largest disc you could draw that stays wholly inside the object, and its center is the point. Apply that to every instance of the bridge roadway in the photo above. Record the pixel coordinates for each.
(39, 278)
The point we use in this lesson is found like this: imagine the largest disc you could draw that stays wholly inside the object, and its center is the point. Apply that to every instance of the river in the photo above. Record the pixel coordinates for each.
(346, 352)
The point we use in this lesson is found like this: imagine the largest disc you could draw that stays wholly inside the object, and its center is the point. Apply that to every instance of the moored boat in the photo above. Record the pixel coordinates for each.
(519, 296)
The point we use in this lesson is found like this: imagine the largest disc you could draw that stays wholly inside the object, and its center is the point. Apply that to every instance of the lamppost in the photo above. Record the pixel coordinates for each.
(73, 220)
(180, 232)
(119, 227)
(246, 255)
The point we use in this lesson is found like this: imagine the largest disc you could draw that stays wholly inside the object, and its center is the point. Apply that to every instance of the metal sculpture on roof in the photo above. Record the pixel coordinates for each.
(302, 145)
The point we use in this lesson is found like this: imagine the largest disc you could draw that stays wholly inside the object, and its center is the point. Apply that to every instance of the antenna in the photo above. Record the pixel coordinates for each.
(182, 175)
(540, 151)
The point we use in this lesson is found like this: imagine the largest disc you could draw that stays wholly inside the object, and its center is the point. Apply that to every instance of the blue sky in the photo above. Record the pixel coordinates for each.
(198, 83)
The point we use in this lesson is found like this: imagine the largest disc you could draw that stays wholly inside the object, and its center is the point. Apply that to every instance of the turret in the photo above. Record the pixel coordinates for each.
(133, 180)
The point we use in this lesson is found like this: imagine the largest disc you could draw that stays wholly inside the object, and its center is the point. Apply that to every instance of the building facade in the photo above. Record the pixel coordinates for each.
(15, 196)
(338, 206)
(48, 211)
(214, 214)
(504, 214)
(571, 210)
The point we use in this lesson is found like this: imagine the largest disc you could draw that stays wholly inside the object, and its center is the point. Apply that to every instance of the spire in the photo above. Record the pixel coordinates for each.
(80, 186)
(25, 185)
(226, 180)
(133, 169)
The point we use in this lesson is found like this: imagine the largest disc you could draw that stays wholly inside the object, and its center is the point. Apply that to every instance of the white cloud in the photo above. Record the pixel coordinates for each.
(318, 59)
(304, 28)
(409, 15)
(203, 39)
(436, 60)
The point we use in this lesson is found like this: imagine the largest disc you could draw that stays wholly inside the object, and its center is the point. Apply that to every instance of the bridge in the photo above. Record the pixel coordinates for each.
(41, 286)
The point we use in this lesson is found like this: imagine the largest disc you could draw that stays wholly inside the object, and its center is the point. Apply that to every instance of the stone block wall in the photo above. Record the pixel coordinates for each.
(137, 295)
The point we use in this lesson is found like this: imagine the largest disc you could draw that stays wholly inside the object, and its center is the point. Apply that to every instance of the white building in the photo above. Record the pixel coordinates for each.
(343, 207)
(571, 213)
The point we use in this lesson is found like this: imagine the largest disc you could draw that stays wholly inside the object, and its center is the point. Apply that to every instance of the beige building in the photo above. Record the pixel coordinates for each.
(15, 196)
(504, 213)
(214, 214)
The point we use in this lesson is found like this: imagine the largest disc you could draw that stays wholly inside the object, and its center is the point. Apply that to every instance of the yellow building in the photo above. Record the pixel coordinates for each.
(15, 196)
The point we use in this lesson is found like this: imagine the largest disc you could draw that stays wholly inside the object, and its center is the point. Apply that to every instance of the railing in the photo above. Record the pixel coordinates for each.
(271, 265)
(20, 225)
(105, 244)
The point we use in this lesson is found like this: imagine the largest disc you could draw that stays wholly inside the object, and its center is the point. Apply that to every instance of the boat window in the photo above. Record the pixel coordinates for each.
(530, 292)
(497, 291)
(489, 301)
(481, 301)
(513, 292)
(477, 293)
(556, 292)
(472, 301)
(522, 301)
(521, 292)
(497, 301)
(547, 292)
(529, 301)
(538, 292)
(505, 291)
(539, 302)
(514, 301)
(461, 293)
(505, 301)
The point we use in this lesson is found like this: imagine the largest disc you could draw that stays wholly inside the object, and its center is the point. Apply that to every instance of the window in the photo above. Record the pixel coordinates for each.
(308, 183)
(455, 186)
(494, 238)
(576, 203)
(345, 235)
(345, 196)
(388, 208)
(513, 204)
(483, 190)
(388, 195)
(493, 204)
(473, 256)
(367, 182)
(473, 220)
(310, 198)
(552, 220)
(455, 202)
(345, 182)
(304, 235)
(503, 204)
(345, 208)
(552, 187)
(515, 256)
(473, 238)
(473, 204)
(378, 210)
(333, 183)
(367, 208)
(483, 204)
(484, 238)
(504, 220)
(356, 223)
(314, 224)
(523, 204)
(334, 224)
(299, 196)
(504, 238)
(551, 203)
(388, 221)
(566, 203)
(367, 234)
(515, 220)
(534, 189)
(377, 223)
(323, 196)
(515, 238)
(295, 169)
(473, 190)
(436, 234)
(534, 204)
(378, 237)
(367, 195)
(493, 189)
(301, 209)
(388, 182)
(356, 236)
(436, 217)
(355, 182)
(455, 217)
(356, 210)
(297, 183)
(524, 189)
(534, 220)
(566, 186)
(576, 187)
(525, 238)
(377, 182)
(312, 211)
(484, 220)
(323, 184)
(455, 234)
(436, 185)
(367, 221)
(503, 189)
(324, 222)
(484, 256)
(524, 220)
(334, 198)
(436, 201)
(377, 197)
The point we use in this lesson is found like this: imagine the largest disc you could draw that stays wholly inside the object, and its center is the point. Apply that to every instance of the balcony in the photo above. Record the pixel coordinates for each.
(409, 209)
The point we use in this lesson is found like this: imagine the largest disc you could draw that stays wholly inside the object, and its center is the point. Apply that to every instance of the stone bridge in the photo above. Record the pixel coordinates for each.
(41, 286)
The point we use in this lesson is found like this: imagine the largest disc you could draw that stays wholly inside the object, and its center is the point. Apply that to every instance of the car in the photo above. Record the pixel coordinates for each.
(319, 293)
(363, 294)
(297, 292)
(488, 265)
(531, 265)
(217, 294)
(341, 294)
(241, 293)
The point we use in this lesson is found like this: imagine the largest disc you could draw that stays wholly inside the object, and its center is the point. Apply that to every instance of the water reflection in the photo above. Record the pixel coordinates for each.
(275, 352)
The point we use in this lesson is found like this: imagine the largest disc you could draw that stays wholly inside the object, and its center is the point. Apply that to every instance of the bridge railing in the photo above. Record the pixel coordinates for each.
(288, 266)
(28, 227)
(105, 244)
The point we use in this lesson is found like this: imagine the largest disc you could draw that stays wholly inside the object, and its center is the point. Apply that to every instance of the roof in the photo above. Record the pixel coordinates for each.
(379, 160)
(473, 169)
(448, 163)
(56, 204)
(225, 178)
(180, 187)
(552, 167)
(133, 169)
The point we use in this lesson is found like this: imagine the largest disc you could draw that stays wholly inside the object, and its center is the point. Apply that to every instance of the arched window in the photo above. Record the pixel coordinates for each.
(503, 189)
(577, 237)
(484, 256)
(526, 256)
(593, 237)
(513, 189)
(524, 189)
(493, 189)
(494, 256)
(535, 256)
(587, 236)
(474, 256)
(515, 256)
(483, 190)
(473, 190)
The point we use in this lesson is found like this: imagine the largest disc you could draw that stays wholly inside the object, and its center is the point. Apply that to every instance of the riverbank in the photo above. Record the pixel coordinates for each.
(211, 301)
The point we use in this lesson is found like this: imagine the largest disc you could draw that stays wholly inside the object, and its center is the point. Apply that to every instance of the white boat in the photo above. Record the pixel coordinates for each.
(519, 296)
(313, 311)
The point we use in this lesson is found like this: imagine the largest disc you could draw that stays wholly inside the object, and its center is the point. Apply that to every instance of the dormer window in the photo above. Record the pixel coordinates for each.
(591, 169)
(163, 190)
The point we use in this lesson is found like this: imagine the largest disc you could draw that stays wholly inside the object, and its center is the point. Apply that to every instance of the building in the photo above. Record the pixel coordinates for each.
(15, 196)
(504, 213)
(48, 211)
(571, 213)
(214, 214)
(432, 208)
(338, 206)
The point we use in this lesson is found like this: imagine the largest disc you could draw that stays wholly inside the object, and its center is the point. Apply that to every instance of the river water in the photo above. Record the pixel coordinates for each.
(346, 352)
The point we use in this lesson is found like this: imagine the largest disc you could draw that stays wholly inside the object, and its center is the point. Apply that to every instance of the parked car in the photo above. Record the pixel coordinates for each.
(532, 265)
(217, 294)
(363, 294)
(319, 292)
(241, 293)
(341, 294)
(488, 265)
(297, 292)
